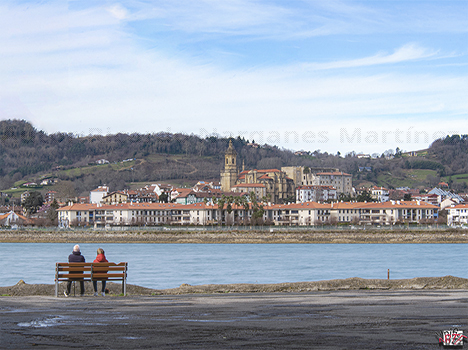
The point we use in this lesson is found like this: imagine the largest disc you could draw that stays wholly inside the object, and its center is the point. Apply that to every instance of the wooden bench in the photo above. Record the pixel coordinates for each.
(65, 272)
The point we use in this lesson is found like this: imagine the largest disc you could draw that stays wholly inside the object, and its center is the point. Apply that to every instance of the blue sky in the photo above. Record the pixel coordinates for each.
(363, 76)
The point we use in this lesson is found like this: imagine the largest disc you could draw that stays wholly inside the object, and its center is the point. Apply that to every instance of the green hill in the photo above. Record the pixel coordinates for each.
(30, 155)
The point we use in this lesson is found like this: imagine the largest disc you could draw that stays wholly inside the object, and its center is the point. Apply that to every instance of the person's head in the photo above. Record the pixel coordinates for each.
(76, 248)
(100, 251)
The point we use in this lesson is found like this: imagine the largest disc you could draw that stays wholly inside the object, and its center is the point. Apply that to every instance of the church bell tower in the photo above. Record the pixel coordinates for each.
(229, 175)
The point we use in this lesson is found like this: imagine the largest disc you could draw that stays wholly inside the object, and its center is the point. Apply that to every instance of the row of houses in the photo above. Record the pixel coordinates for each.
(299, 214)
(437, 196)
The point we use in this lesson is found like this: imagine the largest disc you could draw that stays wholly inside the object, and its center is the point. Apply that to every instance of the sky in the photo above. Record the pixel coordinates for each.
(334, 76)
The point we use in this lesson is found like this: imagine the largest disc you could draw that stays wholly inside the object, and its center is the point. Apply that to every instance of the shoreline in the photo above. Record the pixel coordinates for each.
(349, 284)
(236, 237)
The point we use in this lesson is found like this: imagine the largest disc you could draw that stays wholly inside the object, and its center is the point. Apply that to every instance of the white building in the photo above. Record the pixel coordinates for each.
(96, 195)
(315, 193)
(457, 215)
(380, 194)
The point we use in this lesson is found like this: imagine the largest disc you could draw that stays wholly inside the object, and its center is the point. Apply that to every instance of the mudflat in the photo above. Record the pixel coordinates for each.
(269, 235)
(343, 319)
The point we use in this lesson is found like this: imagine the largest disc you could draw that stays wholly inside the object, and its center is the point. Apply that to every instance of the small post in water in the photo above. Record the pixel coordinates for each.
(388, 274)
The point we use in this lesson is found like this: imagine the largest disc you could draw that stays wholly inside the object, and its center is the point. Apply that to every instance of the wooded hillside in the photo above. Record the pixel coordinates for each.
(27, 154)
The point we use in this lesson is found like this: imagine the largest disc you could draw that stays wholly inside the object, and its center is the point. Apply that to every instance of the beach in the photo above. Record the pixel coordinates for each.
(340, 319)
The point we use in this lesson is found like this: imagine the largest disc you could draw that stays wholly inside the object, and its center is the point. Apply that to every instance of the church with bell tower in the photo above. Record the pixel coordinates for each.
(276, 185)
(230, 173)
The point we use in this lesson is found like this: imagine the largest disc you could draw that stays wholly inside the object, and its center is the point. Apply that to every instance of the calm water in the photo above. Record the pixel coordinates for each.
(195, 264)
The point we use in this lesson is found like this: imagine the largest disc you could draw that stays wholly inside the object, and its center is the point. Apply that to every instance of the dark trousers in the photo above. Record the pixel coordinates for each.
(82, 290)
(103, 289)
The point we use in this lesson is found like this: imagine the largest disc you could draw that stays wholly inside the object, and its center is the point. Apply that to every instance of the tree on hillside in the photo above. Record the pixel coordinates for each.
(164, 197)
(345, 197)
(365, 196)
(221, 202)
(257, 209)
(33, 202)
(52, 211)
(407, 197)
(398, 152)
(66, 190)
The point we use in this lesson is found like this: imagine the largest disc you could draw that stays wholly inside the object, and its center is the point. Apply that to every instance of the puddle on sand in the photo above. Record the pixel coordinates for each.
(43, 322)
(132, 338)
(11, 309)
(51, 321)
(121, 318)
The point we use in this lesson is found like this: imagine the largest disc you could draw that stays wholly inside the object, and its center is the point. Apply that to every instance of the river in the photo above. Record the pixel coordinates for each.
(170, 265)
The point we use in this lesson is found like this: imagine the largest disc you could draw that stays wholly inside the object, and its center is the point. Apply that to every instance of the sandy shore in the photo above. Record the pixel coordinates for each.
(235, 236)
(352, 313)
(115, 289)
(352, 319)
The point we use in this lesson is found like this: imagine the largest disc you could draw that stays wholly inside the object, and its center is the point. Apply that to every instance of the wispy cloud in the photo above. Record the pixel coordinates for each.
(408, 52)
(118, 11)
(72, 69)
(298, 19)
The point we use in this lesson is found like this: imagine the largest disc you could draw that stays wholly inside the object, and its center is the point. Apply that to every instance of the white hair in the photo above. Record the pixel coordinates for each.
(76, 248)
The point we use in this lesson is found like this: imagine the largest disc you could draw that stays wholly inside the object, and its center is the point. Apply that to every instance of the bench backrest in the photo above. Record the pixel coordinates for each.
(90, 271)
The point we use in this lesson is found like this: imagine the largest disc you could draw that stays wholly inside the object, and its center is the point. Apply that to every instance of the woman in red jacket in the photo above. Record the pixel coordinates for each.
(100, 258)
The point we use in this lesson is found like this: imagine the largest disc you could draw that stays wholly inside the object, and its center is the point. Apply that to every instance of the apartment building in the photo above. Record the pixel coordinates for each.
(300, 214)
(315, 194)
(304, 176)
(338, 179)
(380, 194)
(96, 195)
(115, 197)
(457, 215)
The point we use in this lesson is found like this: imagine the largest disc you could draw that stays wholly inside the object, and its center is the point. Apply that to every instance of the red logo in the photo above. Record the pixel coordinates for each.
(451, 338)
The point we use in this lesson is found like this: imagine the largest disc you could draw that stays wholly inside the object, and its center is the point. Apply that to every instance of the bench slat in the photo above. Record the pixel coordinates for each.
(75, 276)
(108, 275)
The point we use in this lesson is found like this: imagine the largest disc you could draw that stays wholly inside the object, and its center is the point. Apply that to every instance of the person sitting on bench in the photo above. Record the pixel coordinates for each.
(72, 258)
(100, 258)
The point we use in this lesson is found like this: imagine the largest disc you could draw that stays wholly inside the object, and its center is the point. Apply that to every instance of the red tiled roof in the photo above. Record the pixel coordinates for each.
(249, 185)
(379, 188)
(99, 190)
(115, 192)
(400, 205)
(268, 171)
(303, 205)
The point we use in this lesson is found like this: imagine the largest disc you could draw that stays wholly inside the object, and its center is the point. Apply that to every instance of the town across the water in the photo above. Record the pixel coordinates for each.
(294, 195)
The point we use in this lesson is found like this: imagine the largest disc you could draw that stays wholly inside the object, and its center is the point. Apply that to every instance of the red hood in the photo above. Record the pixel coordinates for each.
(100, 258)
